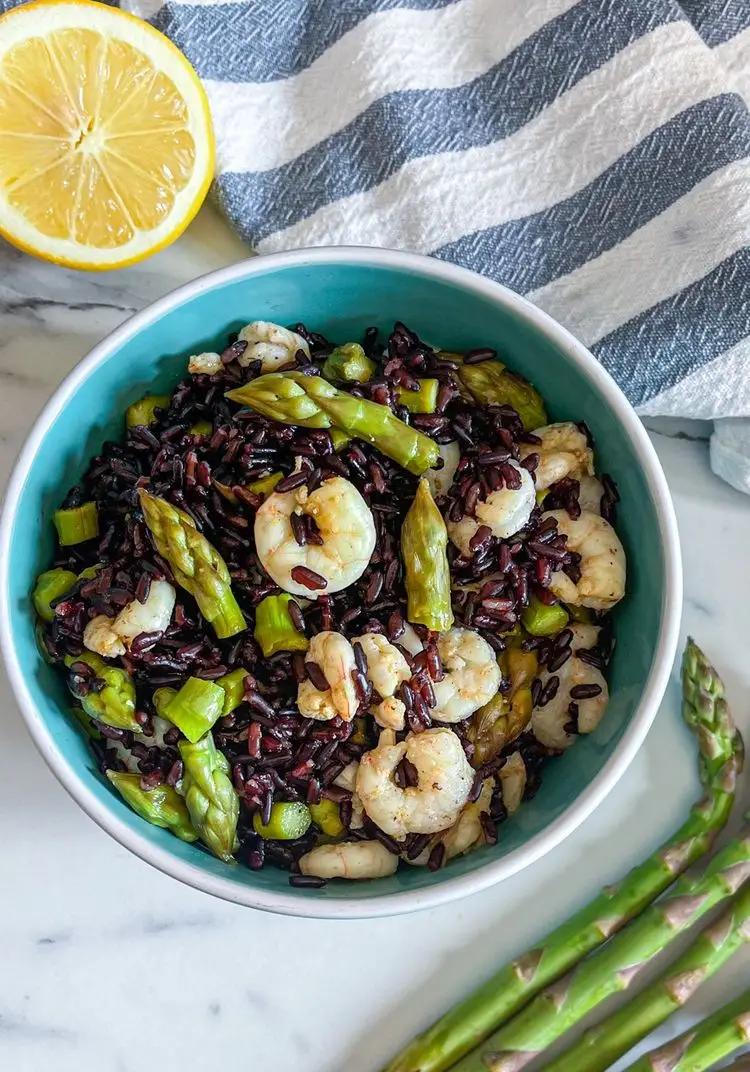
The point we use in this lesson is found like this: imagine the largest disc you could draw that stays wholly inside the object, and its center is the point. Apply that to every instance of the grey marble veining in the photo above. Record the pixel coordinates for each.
(108, 966)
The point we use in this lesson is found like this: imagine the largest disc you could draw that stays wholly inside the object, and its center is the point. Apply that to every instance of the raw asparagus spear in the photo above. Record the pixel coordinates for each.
(163, 806)
(603, 1044)
(563, 1004)
(424, 539)
(492, 1004)
(210, 797)
(312, 402)
(197, 566)
(706, 1043)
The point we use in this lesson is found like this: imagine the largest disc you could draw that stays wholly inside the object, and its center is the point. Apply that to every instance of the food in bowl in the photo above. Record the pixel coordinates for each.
(333, 607)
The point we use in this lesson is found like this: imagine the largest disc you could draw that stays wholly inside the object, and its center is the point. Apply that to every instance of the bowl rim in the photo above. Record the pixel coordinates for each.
(299, 902)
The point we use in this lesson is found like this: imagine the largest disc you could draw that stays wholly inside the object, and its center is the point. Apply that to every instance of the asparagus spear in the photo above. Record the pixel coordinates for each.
(197, 566)
(274, 629)
(163, 806)
(424, 539)
(114, 703)
(209, 795)
(349, 364)
(603, 1044)
(490, 381)
(312, 402)
(492, 1004)
(563, 1004)
(703, 1045)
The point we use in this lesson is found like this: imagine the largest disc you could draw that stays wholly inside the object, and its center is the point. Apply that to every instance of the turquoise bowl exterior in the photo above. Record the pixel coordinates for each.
(339, 292)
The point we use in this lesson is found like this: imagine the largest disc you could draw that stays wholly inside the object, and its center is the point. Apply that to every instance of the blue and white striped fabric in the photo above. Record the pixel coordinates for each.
(591, 154)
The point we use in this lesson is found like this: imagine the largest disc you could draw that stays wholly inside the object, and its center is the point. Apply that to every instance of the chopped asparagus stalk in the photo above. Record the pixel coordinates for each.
(233, 685)
(327, 818)
(161, 699)
(201, 428)
(51, 585)
(507, 715)
(274, 629)
(197, 566)
(162, 806)
(195, 708)
(348, 364)
(266, 484)
(312, 402)
(210, 797)
(423, 400)
(144, 411)
(424, 540)
(579, 614)
(77, 524)
(561, 1006)
(541, 619)
(601, 1046)
(85, 723)
(114, 704)
(705, 1044)
(541, 495)
(491, 1005)
(490, 382)
(288, 821)
(90, 572)
(339, 439)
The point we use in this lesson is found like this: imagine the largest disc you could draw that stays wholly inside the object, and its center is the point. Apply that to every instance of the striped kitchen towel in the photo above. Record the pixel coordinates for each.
(591, 154)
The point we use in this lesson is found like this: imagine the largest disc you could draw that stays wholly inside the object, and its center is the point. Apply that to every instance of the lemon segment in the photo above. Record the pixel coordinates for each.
(106, 145)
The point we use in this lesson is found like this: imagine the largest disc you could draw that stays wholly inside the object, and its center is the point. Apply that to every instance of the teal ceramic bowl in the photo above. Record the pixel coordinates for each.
(339, 291)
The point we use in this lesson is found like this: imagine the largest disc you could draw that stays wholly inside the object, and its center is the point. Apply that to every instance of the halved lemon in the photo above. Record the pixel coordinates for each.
(106, 145)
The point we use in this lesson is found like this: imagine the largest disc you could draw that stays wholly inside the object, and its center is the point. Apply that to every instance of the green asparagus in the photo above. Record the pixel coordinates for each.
(424, 541)
(704, 1044)
(348, 364)
(114, 704)
(76, 524)
(163, 806)
(312, 402)
(144, 410)
(233, 685)
(85, 723)
(563, 1004)
(603, 1044)
(195, 708)
(327, 818)
(490, 382)
(201, 428)
(543, 619)
(507, 714)
(274, 628)
(720, 761)
(161, 699)
(210, 796)
(423, 399)
(197, 566)
(289, 820)
(51, 585)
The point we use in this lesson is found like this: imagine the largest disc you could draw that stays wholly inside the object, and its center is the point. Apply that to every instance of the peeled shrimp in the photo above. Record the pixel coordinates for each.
(347, 779)
(344, 522)
(504, 512)
(512, 777)
(349, 859)
(564, 451)
(590, 494)
(206, 364)
(270, 344)
(602, 581)
(441, 479)
(110, 637)
(472, 676)
(390, 713)
(467, 832)
(444, 782)
(386, 669)
(334, 655)
(551, 724)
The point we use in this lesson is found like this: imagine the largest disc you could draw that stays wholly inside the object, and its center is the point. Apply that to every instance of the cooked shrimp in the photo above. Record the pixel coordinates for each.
(410, 640)
(602, 581)
(590, 495)
(472, 676)
(345, 525)
(390, 713)
(466, 833)
(441, 479)
(386, 666)
(504, 512)
(334, 655)
(564, 451)
(206, 364)
(349, 859)
(110, 637)
(270, 344)
(512, 777)
(553, 725)
(347, 779)
(444, 782)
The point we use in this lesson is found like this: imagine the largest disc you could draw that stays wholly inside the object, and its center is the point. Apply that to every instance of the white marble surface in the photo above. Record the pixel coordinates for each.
(108, 966)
